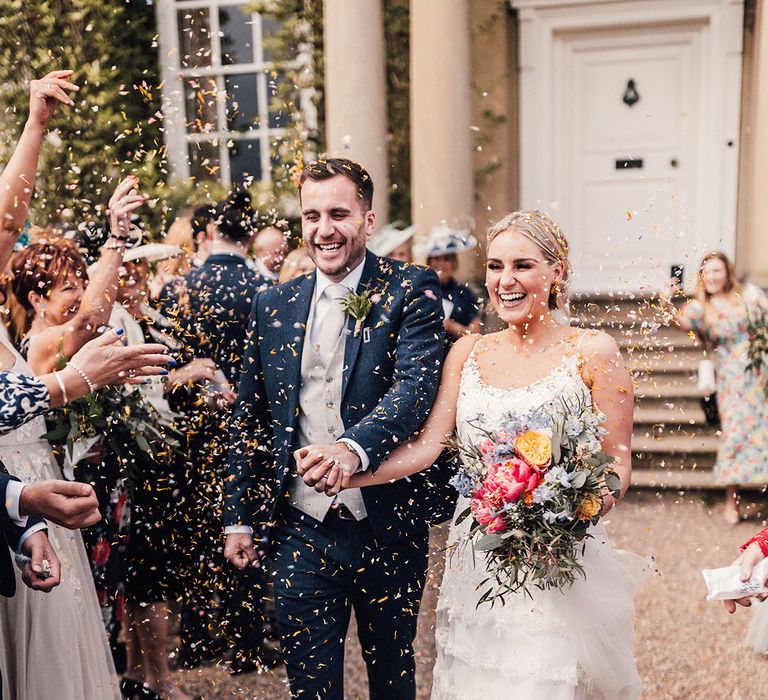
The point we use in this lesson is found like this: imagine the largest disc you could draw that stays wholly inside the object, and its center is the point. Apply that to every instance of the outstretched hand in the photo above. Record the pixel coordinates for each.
(67, 503)
(110, 362)
(327, 468)
(46, 94)
(746, 562)
(123, 202)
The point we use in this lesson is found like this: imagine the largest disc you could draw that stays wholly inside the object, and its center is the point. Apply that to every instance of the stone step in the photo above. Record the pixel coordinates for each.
(669, 363)
(675, 444)
(662, 415)
(677, 479)
(668, 388)
(657, 341)
(675, 406)
(675, 450)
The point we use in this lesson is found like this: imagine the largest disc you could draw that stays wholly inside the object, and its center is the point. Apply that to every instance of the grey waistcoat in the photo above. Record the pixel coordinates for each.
(320, 421)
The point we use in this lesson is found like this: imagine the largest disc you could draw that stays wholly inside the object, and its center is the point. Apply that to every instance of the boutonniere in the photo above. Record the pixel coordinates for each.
(359, 306)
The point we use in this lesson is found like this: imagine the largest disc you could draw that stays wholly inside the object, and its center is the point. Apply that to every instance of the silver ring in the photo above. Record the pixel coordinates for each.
(48, 86)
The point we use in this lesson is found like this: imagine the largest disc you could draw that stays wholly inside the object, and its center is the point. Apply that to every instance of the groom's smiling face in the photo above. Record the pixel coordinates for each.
(335, 224)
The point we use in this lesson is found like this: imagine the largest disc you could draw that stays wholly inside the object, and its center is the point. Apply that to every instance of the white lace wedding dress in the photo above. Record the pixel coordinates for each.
(52, 645)
(569, 645)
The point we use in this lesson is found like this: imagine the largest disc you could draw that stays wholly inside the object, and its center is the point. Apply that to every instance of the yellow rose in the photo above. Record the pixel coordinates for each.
(535, 448)
(589, 507)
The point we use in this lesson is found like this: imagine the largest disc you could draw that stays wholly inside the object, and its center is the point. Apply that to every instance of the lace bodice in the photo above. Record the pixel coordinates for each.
(481, 404)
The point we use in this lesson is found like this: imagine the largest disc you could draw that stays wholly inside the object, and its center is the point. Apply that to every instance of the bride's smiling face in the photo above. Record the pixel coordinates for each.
(519, 278)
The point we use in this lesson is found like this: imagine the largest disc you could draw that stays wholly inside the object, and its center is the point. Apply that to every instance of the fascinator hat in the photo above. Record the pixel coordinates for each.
(445, 240)
(389, 238)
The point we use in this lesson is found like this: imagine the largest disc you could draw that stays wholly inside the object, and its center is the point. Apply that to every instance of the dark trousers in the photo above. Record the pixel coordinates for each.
(322, 572)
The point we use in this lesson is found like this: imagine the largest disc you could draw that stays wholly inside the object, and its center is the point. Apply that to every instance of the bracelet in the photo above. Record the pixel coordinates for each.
(113, 246)
(761, 539)
(91, 388)
(60, 382)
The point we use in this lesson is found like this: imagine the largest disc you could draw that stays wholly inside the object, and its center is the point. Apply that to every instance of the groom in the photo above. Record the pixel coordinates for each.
(352, 388)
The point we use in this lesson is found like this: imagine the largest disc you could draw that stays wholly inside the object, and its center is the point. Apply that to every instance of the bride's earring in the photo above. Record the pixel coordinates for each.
(42, 311)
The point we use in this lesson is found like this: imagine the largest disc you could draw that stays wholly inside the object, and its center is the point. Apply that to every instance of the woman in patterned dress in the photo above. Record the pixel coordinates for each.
(719, 316)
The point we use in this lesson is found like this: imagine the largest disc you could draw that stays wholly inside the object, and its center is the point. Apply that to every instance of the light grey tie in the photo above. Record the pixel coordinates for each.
(334, 320)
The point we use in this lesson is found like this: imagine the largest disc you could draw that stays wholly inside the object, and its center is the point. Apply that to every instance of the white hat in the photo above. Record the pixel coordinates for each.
(388, 238)
(151, 252)
(445, 240)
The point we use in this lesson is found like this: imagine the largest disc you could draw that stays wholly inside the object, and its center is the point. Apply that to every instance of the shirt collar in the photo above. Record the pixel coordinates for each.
(350, 281)
(264, 271)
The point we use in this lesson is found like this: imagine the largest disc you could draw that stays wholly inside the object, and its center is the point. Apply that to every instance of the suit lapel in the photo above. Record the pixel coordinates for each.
(352, 345)
(294, 330)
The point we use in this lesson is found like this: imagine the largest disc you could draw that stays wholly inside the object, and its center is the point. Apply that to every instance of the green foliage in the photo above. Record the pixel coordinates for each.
(298, 49)
(113, 128)
(397, 40)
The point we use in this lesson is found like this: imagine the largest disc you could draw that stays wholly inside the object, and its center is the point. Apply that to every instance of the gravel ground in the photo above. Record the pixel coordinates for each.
(686, 647)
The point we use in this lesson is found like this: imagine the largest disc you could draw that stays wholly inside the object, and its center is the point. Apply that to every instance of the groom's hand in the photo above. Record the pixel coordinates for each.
(327, 468)
(239, 550)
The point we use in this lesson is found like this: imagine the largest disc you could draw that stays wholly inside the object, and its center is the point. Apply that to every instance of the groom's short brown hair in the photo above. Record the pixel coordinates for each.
(326, 168)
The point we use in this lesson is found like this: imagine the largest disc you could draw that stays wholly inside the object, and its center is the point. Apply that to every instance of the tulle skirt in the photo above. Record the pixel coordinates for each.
(53, 646)
(571, 645)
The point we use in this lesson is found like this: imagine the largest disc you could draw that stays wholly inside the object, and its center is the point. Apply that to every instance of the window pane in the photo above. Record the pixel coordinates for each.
(194, 37)
(245, 159)
(236, 35)
(277, 93)
(277, 47)
(242, 101)
(204, 160)
(200, 100)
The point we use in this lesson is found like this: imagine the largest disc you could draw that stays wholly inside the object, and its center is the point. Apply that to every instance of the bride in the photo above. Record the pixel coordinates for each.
(573, 644)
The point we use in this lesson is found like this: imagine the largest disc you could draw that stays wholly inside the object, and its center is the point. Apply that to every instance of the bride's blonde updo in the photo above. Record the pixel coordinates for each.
(545, 232)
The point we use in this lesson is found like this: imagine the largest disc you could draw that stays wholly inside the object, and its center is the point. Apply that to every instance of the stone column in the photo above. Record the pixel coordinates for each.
(442, 169)
(751, 251)
(355, 90)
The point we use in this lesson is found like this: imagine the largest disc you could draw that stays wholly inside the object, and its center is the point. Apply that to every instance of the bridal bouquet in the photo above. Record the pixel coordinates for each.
(535, 486)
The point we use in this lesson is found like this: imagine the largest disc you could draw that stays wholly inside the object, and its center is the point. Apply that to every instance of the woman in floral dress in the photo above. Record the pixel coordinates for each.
(719, 316)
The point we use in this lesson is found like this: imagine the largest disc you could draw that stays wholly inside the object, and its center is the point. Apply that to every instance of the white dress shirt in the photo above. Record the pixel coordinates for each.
(12, 500)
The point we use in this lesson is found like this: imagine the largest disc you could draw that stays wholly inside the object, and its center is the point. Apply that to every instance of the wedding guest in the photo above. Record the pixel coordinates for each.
(719, 316)
(297, 263)
(62, 634)
(460, 304)
(753, 551)
(390, 242)
(270, 248)
(65, 309)
(220, 295)
(152, 558)
(192, 231)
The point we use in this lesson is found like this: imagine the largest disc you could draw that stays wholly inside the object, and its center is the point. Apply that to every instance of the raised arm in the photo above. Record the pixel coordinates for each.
(421, 451)
(66, 339)
(611, 385)
(18, 177)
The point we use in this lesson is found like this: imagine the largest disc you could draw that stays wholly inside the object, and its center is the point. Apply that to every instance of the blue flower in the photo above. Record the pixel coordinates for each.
(559, 476)
(544, 492)
(462, 483)
(573, 427)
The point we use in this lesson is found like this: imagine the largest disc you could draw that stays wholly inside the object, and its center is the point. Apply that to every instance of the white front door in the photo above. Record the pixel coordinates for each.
(629, 130)
(630, 98)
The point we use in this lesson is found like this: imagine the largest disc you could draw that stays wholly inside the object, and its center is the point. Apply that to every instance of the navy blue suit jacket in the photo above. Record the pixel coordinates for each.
(390, 380)
(214, 314)
(11, 534)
